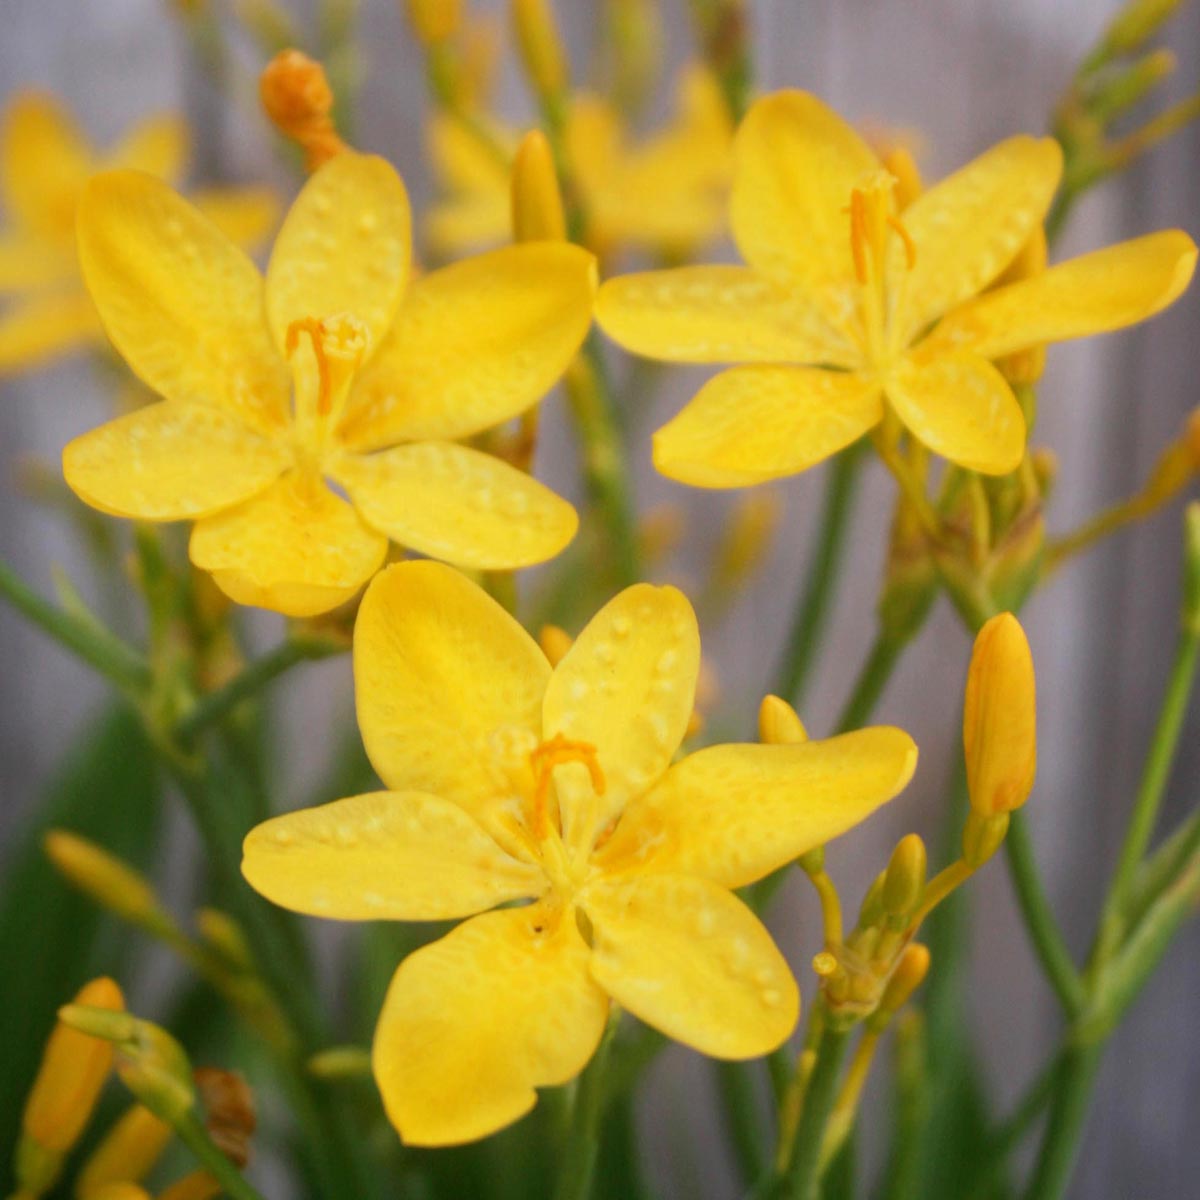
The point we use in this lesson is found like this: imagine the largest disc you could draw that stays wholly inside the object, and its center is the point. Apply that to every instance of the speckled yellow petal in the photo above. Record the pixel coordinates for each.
(169, 461)
(752, 424)
(397, 856)
(445, 682)
(962, 408)
(473, 1023)
(474, 344)
(969, 227)
(245, 215)
(1095, 293)
(735, 813)
(689, 958)
(458, 504)
(296, 548)
(44, 161)
(43, 327)
(181, 303)
(627, 687)
(716, 314)
(158, 146)
(795, 164)
(344, 248)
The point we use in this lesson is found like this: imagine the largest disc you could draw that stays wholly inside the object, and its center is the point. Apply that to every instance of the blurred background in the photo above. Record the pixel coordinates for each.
(959, 75)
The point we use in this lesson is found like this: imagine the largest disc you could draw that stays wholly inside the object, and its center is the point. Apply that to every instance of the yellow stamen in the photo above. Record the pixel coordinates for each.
(872, 215)
(312, 327)
(339, 344)
(556, 752)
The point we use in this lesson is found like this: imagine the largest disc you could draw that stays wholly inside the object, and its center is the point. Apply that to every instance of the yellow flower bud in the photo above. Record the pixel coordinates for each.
(340, 1062)
(541, 47)
(119, 1190)
(1000, 718)
(904, 882)
(779, 724)
(555, 642)
(537, 207)
(434, 21)
(982, 836)
(1135, 23)
(106, 879)
(297, 97)
(68, 1082)
(908, 975)
(128, 1152)
(199, 1185)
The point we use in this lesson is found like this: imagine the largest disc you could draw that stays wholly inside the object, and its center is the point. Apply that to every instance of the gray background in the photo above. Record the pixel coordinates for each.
(965, 73)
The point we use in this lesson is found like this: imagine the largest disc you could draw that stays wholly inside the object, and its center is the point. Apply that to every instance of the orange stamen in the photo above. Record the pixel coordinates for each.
(316, 332)
(858, 234)
(555, 753)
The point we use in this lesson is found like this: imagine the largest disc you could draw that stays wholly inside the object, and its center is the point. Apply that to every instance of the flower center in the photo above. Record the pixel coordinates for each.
(557, 752)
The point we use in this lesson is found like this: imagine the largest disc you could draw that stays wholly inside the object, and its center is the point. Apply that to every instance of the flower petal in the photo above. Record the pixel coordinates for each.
(28, 261)
(473, 1023)
(460, 225)
(795, 164)
(245, 215)
(158, 146)
(689, 958)
(180, 302)
(1095, 293)
(296, 548)
(752, 424)
(474, 344)
(44, 161)
(397, 856)
(35, 330)
(442, 674)
(458, 504)
(971, 225)
(733, 814)
(627, 687)
(344, 248)
(962, 408)
(716, 314)
(170, 462)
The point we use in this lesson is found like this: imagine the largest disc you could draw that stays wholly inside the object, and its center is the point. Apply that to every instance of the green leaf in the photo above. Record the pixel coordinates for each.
(108, 789)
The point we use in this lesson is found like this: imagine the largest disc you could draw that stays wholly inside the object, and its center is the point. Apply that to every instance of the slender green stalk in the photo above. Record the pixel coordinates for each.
(872, 679)
(1043, 929)
(740, 1110)
(193, 1135)
(841, 486)
(88, 640)
(209, 709)
(801, 1180)
(1060, 1146)
(583, 1138)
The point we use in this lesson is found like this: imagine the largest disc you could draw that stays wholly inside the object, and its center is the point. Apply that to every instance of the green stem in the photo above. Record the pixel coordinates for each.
(872, 679)
(193, 1135)
(739, 1108)
(209, 709)
(1043, 929)
(88, 640)
(801, 1181)
(1068, 1113)
(583, 1138)
(841, 485)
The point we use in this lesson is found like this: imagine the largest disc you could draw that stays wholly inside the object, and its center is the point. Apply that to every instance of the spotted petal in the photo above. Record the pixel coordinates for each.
(473, 1023)
(689, 958)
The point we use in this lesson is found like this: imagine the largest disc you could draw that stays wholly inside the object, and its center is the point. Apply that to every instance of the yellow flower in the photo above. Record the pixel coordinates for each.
(849, 309)
(514, 781)
(383, 372)
(44, 165)
(665, 194)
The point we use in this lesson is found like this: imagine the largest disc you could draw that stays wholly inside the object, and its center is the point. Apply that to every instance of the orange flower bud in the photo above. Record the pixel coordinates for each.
(298, 99)
(434, 21)
(128, 1152)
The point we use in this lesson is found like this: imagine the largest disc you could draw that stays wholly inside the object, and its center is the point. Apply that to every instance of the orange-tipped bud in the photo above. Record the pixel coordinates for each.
(537, 206)
(434, 21)
(1000, 718)
(298, 99)
(541, 47)
(779, 724)
(127, 1153)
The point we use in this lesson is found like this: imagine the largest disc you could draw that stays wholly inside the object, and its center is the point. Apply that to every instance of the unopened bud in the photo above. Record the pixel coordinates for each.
(872, 910)
(982, 837)
(120, 1189)
(1000, 718)
(106, 879)
(1138, 21)
(298, 99)
(635, 39)
(779, 724)
(555, 642)
(128, 1152)
(904, 880)
(1045, 469)
(813, 862)
(537, 207)
(434, 21)
(1191, 567)
(224, 935)
(907, 976)
(340, 1062)
(540, 46)
(199, 1185)
(1128, 87)
(149, 1061)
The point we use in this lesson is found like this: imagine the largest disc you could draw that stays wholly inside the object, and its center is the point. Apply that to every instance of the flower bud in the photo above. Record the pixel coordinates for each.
(199, 1185)
(982, 836)
(224, 935)
(1134, 24)
(340, 1062)
(872, 911)
(904, 880)
(779, 724)
(541, 47)
(907, 976)
(73, 1070)
(434, 21)
(813, 862)
(555, 642)
(537, 207)
(1000, 718)
(1191, 567)
(297, 97)
(128, 1152)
